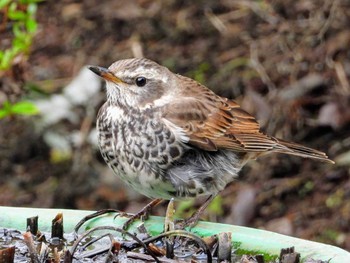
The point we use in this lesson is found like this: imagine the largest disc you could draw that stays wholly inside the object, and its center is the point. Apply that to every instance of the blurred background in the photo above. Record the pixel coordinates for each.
(285, 62)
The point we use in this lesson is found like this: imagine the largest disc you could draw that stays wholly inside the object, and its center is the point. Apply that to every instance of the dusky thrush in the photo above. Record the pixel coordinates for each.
(168, 136)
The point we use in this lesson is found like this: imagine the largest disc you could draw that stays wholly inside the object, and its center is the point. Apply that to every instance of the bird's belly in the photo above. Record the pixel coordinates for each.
(143, 181)
(152, 184)
(138, 174)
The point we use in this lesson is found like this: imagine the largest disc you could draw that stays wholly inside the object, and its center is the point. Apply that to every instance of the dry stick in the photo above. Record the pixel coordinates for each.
(157, 250)
(93, 215)
(252, 259)
(183, 233)
(110, 250)
(7, 254)
(136, 46)
(56, 255)
(68, 257)
(44, 252)
(288, 255)
(57, 226)
(32, 225)
(28, 240)
(169, 224)
(270, 17)
(341, 74)
(225, 246)
(98, 251)
(255, 63)
(216, 22)
(145, 257)
(210, 240)
(95, 252)
(328, 23)
(76, 243)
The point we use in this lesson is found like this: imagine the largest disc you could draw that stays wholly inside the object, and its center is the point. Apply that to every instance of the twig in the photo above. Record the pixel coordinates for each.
(145, 257)
(330, 19)
(289, 255)
(56, 255)
(169, 224)
(93, 215)
(7, 254)
(136, 46)
(216, 21)
(44, 252)
(256, 8)
(225, 247)
(341, 74)
(32, 224)
(183, 233)
(28, 240)
(57, 226)
(255, 63)
(87, 233)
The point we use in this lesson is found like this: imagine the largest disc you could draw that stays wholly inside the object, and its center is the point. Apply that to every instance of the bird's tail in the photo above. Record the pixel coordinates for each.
(300, 150)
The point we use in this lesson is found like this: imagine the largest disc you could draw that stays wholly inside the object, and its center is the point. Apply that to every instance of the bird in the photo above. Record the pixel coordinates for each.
(169, 137)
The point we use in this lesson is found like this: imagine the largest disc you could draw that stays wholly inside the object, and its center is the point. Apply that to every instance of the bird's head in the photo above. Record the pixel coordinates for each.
(136, 82)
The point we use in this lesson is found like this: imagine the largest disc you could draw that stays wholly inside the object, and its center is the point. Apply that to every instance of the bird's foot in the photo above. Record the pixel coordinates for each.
(142, 215)
(194, 218)
(181, 224)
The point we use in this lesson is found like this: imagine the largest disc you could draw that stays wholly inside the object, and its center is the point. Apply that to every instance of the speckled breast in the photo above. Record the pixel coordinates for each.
(139, 150)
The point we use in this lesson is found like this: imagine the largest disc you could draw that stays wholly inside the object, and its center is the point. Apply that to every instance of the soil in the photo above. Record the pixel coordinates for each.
(285, 62)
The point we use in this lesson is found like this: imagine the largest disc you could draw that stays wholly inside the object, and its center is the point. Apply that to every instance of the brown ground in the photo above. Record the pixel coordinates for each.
(286, 62)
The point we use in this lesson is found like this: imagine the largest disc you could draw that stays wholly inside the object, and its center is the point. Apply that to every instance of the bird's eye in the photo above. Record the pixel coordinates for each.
(140, 81)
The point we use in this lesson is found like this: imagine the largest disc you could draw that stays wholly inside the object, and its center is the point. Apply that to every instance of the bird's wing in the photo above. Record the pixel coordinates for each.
(212, 122)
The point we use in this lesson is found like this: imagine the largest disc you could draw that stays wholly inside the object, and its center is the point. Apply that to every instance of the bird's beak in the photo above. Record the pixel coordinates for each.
(105, 74)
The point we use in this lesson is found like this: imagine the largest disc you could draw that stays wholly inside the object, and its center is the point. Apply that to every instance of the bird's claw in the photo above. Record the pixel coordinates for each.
(123, 214)
(142, 215)
(181, 224)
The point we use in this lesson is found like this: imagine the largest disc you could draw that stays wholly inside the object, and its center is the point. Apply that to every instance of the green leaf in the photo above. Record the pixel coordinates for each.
(17, 15)
(31, 9)
(24, 108)
(24, 27)
(31, 25)
(3, 114)
(17, 31)
(7, 105)
(6, 110)
(4, 3)
(19, 45)
(27, 41)
(26, 2)
(6, 59)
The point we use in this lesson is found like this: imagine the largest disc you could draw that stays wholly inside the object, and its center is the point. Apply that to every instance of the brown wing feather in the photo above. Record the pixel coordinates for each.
(212, 122)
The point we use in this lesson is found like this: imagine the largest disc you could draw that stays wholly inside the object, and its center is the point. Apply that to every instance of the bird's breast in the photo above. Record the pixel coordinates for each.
(138, 146)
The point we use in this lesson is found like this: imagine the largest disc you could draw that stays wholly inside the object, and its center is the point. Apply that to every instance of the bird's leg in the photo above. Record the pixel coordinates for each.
(194, 218)
(143, 213)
